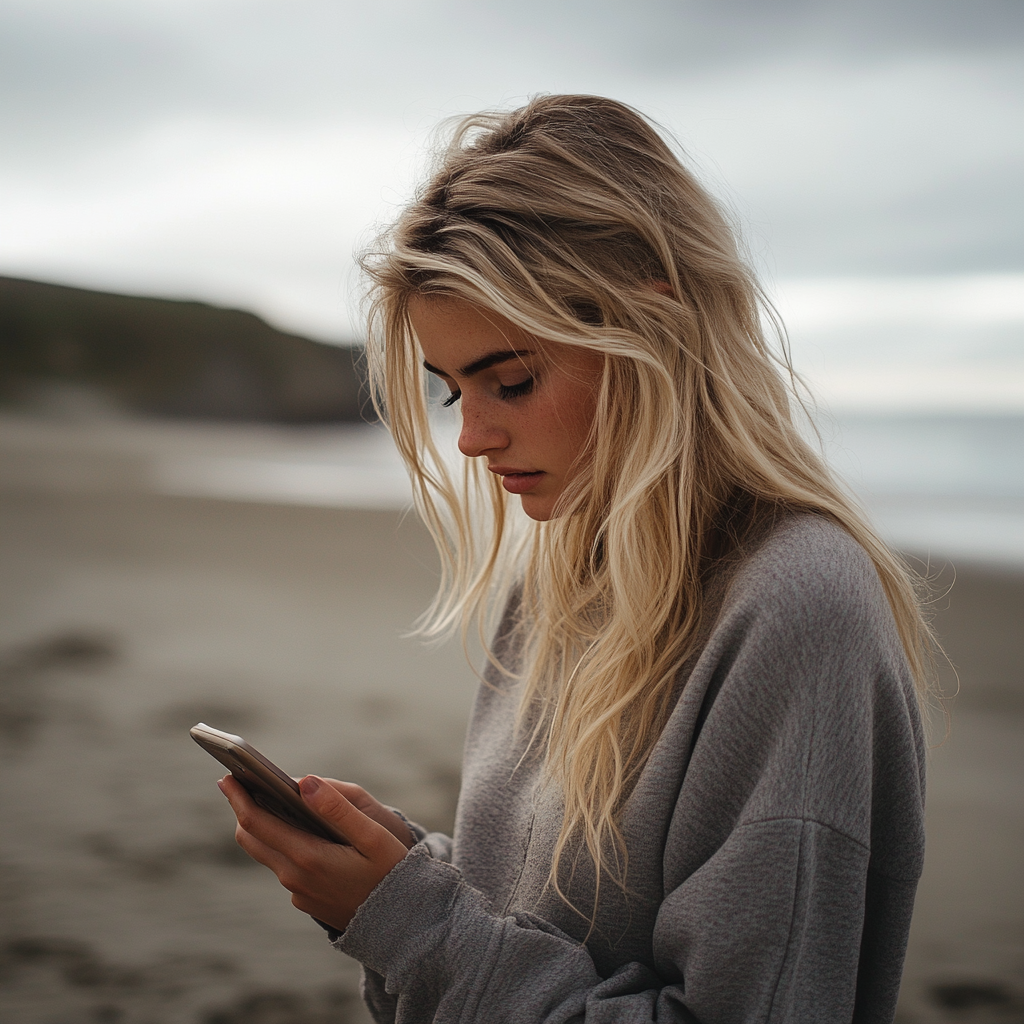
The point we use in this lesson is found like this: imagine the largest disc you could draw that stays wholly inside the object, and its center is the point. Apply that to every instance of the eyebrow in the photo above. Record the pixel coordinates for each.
(491, 359)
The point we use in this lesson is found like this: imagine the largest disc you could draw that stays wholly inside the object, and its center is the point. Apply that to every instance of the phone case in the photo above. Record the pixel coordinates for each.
(270, 788)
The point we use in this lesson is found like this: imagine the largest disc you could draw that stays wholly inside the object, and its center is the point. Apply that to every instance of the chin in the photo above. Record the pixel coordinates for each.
(538, 509)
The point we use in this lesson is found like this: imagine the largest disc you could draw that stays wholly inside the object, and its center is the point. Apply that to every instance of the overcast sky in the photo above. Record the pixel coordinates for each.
(240, 150)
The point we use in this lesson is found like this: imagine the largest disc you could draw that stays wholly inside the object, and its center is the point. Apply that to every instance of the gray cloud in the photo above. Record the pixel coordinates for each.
(655, 37)
(77, 77)
(92, 64)
(960, 226)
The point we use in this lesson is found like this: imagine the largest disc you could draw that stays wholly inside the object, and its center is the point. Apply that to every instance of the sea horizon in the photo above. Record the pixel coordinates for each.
(939, 485)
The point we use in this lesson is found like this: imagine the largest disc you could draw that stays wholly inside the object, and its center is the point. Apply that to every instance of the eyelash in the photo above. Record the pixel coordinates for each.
(506, 392)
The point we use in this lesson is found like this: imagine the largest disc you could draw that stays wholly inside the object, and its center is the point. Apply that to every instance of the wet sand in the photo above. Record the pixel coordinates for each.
(126, 617)
(966, 955)
(125, 620)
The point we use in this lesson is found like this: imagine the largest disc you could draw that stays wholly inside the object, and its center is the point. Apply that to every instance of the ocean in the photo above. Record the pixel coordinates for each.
(939, 486)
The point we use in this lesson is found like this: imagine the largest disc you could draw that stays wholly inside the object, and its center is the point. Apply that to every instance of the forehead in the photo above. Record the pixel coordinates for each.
(459, 328)
(459, 339)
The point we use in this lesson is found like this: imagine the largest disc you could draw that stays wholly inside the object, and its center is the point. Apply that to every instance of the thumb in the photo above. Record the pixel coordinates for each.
(365, 834)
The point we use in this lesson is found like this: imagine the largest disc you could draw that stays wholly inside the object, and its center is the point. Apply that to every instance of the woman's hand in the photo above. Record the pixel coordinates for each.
(327, 881)
(373, 808)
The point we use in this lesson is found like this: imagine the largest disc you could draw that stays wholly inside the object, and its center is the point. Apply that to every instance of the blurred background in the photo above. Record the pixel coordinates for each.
(197, 521)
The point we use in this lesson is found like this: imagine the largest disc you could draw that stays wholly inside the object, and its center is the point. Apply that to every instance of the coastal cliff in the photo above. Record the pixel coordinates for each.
(171, 358)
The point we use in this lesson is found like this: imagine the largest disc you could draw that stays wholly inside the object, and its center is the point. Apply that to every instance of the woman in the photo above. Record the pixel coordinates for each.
(693, 779)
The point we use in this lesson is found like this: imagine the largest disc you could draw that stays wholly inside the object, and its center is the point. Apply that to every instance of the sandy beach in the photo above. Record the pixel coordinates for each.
(128, 615)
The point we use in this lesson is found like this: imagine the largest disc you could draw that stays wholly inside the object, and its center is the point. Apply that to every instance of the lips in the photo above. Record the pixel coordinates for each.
(517, 481)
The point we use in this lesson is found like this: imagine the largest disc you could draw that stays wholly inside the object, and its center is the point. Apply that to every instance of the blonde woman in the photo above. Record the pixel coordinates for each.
(693, 780)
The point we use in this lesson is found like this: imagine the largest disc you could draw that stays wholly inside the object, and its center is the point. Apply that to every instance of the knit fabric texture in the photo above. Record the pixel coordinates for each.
(775, 836)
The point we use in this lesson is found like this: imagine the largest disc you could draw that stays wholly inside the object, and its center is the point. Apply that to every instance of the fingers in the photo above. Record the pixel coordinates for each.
(269, 834)
(327, 880)
(374, 809)
(260, 852)
(370, 838)
(287, 851)
(355, 795)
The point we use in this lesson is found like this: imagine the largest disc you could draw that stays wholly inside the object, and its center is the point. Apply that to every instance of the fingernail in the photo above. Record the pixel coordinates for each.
(220, 784)
(309, 785)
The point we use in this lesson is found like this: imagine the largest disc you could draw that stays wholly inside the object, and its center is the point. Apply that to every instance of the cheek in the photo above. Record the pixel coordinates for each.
(582, 407)
(564, 419)
(561, 433)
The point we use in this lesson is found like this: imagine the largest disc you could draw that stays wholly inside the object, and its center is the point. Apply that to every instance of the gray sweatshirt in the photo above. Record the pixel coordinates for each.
(775, 836)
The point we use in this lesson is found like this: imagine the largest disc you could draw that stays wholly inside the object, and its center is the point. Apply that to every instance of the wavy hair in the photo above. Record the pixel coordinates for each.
(571, 218)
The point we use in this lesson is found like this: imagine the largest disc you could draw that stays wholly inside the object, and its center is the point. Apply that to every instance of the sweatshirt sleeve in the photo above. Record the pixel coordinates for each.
(787, 892)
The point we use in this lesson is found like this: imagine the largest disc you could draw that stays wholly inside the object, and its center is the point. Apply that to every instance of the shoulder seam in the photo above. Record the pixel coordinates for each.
(806, 821)
(873, 869)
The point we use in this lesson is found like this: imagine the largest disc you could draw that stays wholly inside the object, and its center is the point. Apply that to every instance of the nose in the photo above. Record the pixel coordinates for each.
(481, 432)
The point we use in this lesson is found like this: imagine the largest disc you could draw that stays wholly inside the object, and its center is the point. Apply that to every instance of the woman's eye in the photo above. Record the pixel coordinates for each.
(451, 399)
(507, 391)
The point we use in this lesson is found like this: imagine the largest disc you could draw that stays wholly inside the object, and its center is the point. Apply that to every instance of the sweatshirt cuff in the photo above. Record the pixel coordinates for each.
(407, 915)
(417, 832)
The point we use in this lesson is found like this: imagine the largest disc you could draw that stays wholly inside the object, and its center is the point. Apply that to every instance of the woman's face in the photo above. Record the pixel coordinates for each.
(527, 409)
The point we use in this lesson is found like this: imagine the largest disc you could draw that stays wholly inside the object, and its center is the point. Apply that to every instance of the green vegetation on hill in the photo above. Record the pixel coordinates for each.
(169, 358)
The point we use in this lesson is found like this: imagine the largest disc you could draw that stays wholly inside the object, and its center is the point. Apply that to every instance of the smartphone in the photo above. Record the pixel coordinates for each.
(272, 789)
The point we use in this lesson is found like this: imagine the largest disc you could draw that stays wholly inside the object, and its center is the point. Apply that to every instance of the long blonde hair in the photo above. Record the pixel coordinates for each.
(573, 219)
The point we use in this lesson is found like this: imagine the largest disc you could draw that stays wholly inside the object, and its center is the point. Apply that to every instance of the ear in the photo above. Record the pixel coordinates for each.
(662, 287)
